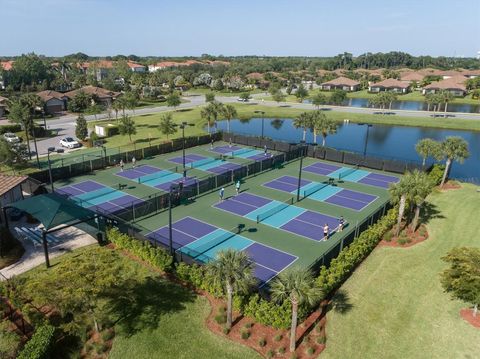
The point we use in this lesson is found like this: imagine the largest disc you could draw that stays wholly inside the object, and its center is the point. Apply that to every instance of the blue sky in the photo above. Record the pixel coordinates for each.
(247, 27)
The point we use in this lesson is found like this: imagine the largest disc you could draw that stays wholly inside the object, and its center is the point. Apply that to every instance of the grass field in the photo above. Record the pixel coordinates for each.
(398, 308)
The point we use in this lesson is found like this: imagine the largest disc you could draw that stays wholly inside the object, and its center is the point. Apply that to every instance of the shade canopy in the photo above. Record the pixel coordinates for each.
(52, 210)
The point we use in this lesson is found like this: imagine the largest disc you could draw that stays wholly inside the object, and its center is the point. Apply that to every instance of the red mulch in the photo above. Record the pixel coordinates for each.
(420, 235)
(467, 314)
(450, 185)
(307, 334)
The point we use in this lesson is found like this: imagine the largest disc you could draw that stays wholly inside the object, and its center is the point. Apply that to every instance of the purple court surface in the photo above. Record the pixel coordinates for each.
(189, 158)
(134, 173)
(321, 168)
(378, 180)
(225, 149)
(334, 195)
(267, 261)
(108, 199)
(300, 221)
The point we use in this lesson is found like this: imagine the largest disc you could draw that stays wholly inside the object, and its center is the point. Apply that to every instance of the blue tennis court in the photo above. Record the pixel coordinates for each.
(214, 165)
(352, 174)
(202, 241)
(323, 192)
(281, 215)
(93, 195)
(156, 177)
(242, 152)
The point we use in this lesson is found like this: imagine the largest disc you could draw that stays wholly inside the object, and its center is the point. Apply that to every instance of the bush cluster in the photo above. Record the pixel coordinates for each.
(38, 347)
(10, 128)
(341, 267)
(155, 256)
(436, 174)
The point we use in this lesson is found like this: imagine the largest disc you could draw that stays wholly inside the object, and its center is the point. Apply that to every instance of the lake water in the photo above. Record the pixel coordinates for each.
(413, 105)
(391, 142)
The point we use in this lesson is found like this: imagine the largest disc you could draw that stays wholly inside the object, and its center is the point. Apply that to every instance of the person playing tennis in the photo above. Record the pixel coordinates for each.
(121, 165)
(134, 162)
(265, 149)
(221, 193)
(211, 144)
(341, 223)
(325, 232)
(237, 187)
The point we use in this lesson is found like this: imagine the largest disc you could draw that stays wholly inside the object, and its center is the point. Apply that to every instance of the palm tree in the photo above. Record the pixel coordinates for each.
(233, 271)
(302, 121)
(421, 188)
(454, 148)
(19, 113)
(229, 112)
(400, 192)
(446, 97)
(211, 112)
(298, 286)
(323, 124)
(427, 147)
(117, 106)
(319, 99)
(207, 114)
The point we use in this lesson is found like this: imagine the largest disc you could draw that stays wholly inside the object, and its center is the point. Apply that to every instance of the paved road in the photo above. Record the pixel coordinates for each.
(65, 125)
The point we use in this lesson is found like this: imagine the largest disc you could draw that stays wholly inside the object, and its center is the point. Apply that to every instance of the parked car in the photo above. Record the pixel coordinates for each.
(11, 137)
(69, 142)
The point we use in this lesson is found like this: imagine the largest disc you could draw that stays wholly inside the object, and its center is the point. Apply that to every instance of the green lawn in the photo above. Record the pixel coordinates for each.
(398, 308)
(203, 91)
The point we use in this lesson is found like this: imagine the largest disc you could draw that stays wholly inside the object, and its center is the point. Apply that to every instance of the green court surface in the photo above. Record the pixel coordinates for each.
(202, 207)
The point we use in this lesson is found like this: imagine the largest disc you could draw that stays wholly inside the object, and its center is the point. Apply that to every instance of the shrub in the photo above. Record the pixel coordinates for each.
(281, 350)
(270, 353)
(245, 334)
(403, 240)
(39, 346)
(310, 351)
(10, 128)
(321, 340)
(262, 342)
(388, 236)
(249, 325)
(155, 256)
(318, 328)
(436, 174)
(107, 335)
(197, 276)
(222, 310)
(278, 337)
(294, 356)
(226, 331)
(221, 319)
(9, 341)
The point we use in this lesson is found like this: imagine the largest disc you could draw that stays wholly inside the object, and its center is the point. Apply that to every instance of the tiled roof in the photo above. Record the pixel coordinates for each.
(7, 65)
(92, 90)
(411, 76)
(49, 94)
(134, 65)
(449, 84)
(342, 81)
(7, 183)
(388, 83)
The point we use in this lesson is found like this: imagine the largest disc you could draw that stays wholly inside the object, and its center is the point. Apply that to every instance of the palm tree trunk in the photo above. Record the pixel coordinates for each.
(228, 125)
(324, 140)
(445, 109)
(208, 126)
(428, 107)
(229, 305)
(293, 328)
(304, 134)
(445, 173)
(424, 161)
(416, 217)
(28, 142)
(475, 309)
(401, 210)
(314, 136)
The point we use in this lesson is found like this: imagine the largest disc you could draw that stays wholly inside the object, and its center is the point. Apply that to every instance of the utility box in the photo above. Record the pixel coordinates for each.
(106, 130)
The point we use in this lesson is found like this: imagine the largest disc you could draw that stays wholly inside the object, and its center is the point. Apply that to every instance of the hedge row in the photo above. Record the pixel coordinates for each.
(341, 267)
(39, 346)
(10, 128)
(155, 256)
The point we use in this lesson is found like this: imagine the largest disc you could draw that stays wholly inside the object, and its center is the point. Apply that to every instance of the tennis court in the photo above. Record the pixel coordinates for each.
(93, 195)
(156, 177)
(323, 192)
(281, 215)
(202, 241)
(352, 174)
(241, 152)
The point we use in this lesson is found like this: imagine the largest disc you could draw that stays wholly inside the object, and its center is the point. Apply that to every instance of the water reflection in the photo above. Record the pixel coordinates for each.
(277, 123)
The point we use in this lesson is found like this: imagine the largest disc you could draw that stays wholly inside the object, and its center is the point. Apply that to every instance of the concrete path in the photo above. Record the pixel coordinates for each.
(73, 238)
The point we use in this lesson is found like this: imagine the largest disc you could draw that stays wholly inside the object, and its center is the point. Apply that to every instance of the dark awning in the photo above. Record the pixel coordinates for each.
(52, 210)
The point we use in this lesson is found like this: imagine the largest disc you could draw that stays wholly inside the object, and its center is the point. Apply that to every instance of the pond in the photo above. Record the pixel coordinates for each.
(413, 105)
(390, 142)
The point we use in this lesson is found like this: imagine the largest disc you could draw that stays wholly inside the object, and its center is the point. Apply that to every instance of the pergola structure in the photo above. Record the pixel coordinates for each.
(54, 212)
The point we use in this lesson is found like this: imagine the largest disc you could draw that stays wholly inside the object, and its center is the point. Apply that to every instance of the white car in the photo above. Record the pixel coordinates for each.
(11, 137)
(69, 142)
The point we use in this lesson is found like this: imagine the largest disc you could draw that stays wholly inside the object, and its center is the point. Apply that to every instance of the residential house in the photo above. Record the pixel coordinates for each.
(54, 102)
(100, 95)
(100, 69)
(134, 67)
(341, 83)
(454, 85)
(10, 190)
(392, 85)
(411, 76)
(6, 66)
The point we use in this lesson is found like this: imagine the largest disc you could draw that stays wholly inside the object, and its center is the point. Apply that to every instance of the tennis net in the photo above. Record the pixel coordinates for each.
(205, 247)
(242, 151)
(271, 211)
(203, 162)
(314, 189)
(152, 176)
(347, 172)
(85, 197)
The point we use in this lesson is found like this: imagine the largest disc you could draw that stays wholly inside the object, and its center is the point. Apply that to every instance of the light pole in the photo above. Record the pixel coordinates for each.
(366, 137)
(173, 187)
(263, 119)
(183, 125)
(302, 143)
(50, 150)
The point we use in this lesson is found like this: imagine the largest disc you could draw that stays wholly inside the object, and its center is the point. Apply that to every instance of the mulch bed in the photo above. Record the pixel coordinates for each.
(450, 185)
(420, 235)
(277, 340)
(467, 314)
